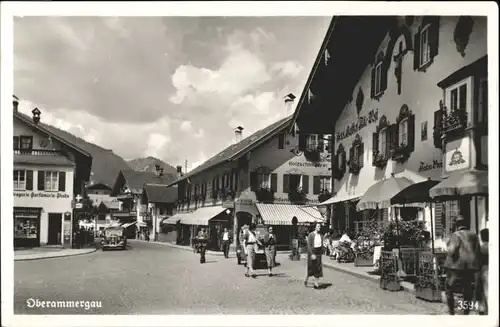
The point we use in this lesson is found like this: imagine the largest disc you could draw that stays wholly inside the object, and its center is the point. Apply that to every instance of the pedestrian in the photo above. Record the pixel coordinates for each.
(146, 235)
(250, 242)
(202, 241)
(226, 242)
(482, 290)
(270, 250)
(314, 256)
(462, 266)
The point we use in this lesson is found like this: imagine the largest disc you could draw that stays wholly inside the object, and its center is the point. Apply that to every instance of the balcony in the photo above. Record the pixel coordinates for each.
(264, 195)
(453, 122)
(39, 152)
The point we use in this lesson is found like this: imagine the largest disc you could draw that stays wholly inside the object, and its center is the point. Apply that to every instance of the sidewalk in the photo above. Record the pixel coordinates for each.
(46, 253)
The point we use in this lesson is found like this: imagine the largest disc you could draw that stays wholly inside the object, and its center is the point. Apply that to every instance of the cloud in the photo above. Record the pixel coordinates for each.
(186, 126)
(288, 68)
(156, 145)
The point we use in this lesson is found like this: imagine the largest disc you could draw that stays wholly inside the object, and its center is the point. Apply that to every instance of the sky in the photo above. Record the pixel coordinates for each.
(174, 88)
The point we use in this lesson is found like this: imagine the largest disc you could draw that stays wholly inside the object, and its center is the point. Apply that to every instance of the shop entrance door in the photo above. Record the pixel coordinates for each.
(55, 227)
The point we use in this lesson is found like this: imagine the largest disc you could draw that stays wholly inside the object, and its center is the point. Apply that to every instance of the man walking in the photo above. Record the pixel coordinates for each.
(226, 242)
(462, 265)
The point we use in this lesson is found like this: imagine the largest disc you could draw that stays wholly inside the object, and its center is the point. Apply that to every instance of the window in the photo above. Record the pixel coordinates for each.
(281, 140)
(26, 142)
(16, 142)
(451, 209)
(20, 180)
(312, 142)
(295, 182)
(358, 153)
(425, 49)
(264, 181)
(340, 160)
(383, 141)
(378, 78)
(325, 183)
(423, 131)
(458, 98)
(403, 132)
(52, 181)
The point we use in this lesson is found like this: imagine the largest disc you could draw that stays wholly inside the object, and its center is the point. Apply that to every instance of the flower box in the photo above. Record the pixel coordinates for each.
(401, 153)
(364, 260)
(379, 160)
(390, 282)
(354, 166)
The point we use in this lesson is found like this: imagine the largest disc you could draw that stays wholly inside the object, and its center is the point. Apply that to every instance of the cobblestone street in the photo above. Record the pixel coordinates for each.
(154, 279)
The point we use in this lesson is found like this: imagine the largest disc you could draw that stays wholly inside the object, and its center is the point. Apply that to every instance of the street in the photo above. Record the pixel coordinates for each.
(156, 279)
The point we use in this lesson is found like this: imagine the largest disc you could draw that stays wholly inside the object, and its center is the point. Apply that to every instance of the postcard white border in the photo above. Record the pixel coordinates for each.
(10, 9)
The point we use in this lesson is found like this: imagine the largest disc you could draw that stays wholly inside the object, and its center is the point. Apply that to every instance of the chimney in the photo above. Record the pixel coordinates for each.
(15, 103)
(36, 115)
(179, 172)
(289, 99)
(157, 168)
(238, 134)
(161, 171)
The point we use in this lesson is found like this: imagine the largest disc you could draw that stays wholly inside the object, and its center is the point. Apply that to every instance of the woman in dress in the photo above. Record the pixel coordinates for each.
(314, 256)
(270, 250)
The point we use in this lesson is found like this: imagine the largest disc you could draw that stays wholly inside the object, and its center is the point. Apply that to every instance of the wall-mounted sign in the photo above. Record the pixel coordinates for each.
(362, 122)
(308, 164)
(50, 195)
(430, 166)
(457, 156)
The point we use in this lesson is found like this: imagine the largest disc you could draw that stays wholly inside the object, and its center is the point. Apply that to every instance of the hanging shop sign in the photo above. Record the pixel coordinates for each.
(361, 123)
(457, 156)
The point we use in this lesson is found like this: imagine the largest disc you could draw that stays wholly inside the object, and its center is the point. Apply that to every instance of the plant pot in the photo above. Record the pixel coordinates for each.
(428, 294)
(390, 283)
(364, 261)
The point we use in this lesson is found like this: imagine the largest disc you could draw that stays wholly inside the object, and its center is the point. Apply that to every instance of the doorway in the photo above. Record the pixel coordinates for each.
(55, 227)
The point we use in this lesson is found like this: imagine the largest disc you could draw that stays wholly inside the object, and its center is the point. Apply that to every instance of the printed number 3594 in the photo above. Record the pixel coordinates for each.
(470, 305)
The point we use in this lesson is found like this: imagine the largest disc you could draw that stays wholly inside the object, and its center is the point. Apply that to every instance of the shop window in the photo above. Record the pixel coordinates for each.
(26, 228)
(20, 180)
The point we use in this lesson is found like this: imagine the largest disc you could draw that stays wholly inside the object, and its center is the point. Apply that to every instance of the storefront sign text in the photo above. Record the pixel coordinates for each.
(57, 195)
(307, 164)
(362, 122)
(435, 165)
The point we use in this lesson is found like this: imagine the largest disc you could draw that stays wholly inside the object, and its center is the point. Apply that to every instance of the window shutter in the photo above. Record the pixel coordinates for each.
(305, 184)
(416, 51)
(321, 143)
(351, 153)
(274, 183)
(438, 219)
(394, 131)
(41, 180)
(62, 181)
(389, 138)
(384, 72)
(374, 146)
(411, 133)
(316, 185)
(437, 129)
(286, 183)
(16, 142)
(302, 142)
(29, 180)
(361, 154)
(434, 37)
(253, 181)
(372, 88)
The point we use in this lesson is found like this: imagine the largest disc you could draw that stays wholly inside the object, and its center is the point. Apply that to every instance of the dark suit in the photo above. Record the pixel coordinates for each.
(226, 244)
(463, 262)
(314, 267)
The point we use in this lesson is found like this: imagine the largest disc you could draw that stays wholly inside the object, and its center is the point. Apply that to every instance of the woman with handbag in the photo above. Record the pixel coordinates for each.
(270, 250)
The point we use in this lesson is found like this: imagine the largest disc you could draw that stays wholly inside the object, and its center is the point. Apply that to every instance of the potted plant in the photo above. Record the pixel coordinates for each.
(379, 159)
(324, 195)
(366, 241)
(401, 153)
(354, 166)
(264, 195)
(297, 196)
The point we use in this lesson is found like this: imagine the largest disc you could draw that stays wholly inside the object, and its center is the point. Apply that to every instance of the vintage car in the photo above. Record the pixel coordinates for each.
(260, 256)
(114, 237)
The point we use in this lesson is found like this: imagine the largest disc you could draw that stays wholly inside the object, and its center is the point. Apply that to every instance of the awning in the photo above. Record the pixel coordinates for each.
(174, 219)
(470, 182)
(379, 195)
(202, 216)
(341, 198)
(282, 214)
(126, 225)
(415, 194)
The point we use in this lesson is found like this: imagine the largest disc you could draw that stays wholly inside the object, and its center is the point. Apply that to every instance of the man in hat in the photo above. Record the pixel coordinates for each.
(462, 265)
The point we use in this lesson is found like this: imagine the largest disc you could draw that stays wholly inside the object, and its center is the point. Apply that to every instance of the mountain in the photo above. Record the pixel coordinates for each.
(105, 164)
(148, 164)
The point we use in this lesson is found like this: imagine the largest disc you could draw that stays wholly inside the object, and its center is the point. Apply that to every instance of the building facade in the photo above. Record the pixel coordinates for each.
(269, 177)
(47, 171)
(414, 104)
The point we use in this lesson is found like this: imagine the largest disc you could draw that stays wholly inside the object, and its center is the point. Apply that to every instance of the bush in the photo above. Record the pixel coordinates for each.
(404, 233)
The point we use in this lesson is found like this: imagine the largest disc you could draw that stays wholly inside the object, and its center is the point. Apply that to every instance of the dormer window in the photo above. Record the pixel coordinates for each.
(425, 49)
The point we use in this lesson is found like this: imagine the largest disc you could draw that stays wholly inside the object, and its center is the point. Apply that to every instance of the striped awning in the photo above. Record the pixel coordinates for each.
(202, 216)
(282, 214)
(174, 219)
(340, 198)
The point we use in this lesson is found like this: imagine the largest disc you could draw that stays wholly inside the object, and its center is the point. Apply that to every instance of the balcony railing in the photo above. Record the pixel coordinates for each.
(38, 152)
(454, 121)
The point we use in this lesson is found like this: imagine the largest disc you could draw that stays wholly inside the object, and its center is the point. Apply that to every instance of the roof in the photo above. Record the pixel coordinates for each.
(158, 193)
(136, 179)
(111, 204)
(239, 149)
(48, 160)
(282, 214)
(47, 129)
(99, 186)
